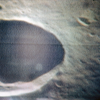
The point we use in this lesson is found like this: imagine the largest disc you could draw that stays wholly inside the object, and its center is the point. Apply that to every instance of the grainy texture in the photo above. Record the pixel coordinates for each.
(79, 74)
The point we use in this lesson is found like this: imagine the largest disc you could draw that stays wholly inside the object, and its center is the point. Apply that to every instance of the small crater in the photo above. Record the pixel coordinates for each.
(59, 84)
(59, 73)
(92, 33)
(0, 7)
(83, 21)
(86, 4)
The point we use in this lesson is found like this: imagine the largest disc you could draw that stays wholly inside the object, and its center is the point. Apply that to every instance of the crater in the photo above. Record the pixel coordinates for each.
(86, 4)
(27, 51)
(0, 7)
(83, 21)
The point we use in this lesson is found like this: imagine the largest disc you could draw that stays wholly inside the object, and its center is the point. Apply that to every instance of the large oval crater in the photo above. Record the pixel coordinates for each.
(27, 51)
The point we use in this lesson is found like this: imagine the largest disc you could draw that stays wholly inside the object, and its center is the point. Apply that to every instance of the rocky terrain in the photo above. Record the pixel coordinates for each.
(76, 24)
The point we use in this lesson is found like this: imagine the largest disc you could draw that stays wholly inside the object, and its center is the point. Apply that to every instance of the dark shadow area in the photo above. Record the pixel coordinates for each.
(27, 51)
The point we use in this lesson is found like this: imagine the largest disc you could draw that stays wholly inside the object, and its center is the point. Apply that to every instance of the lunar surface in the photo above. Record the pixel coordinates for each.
(76, 25)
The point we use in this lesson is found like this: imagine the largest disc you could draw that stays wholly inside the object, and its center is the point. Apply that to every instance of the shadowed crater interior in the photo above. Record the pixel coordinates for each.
(26, 51)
